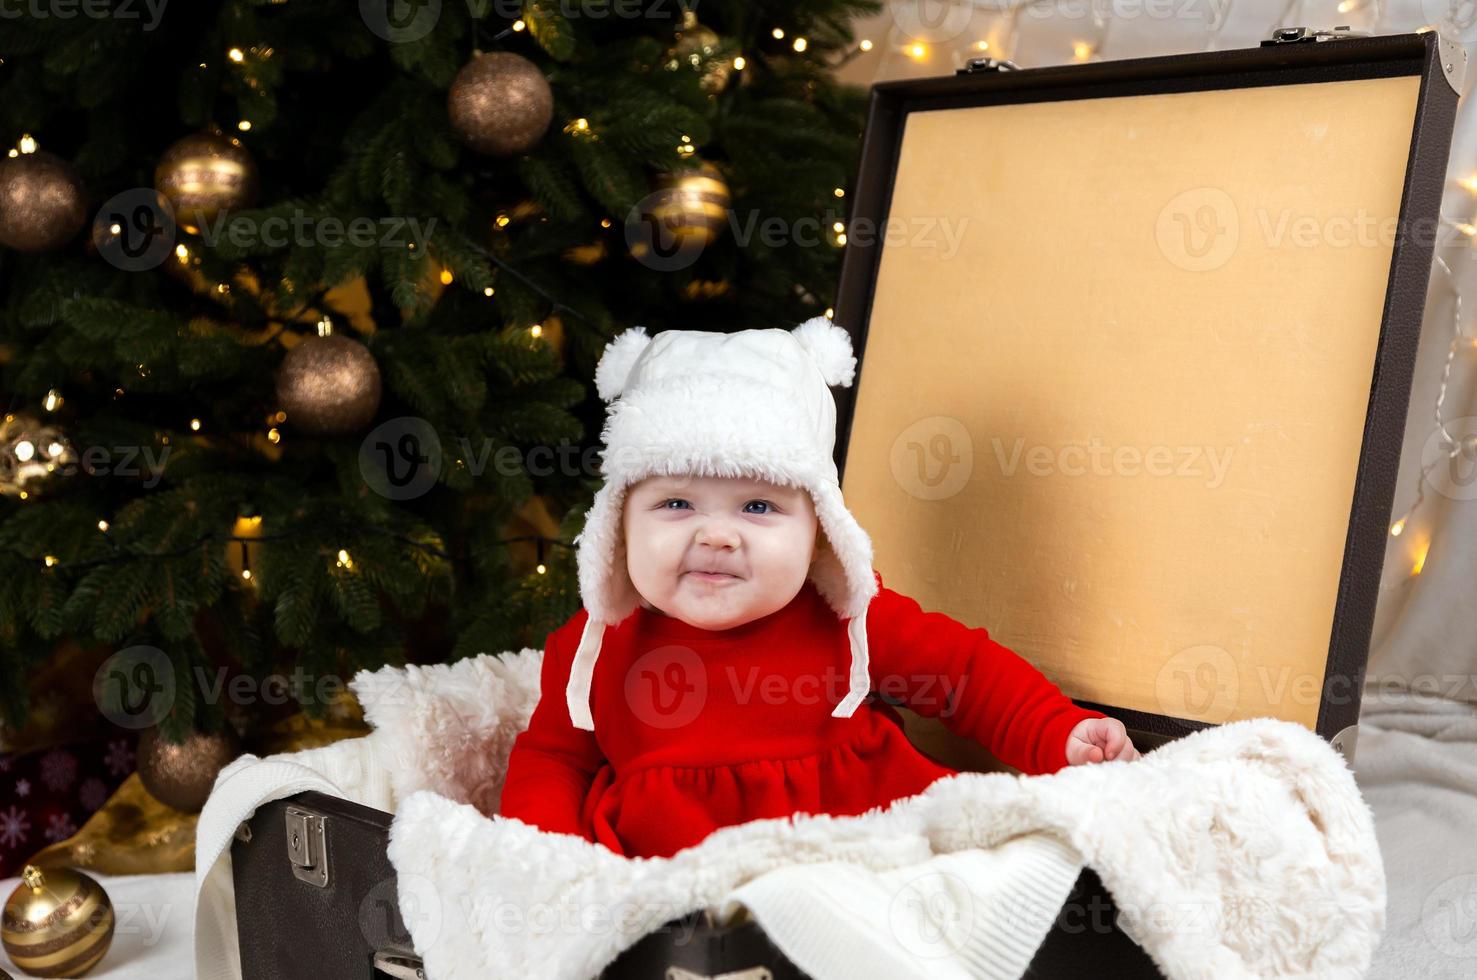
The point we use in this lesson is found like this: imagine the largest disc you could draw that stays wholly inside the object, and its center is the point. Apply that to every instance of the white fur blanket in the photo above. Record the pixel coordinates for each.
(1239, 851)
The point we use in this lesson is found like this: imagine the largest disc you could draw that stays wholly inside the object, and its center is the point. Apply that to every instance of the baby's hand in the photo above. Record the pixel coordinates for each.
(1097, 739)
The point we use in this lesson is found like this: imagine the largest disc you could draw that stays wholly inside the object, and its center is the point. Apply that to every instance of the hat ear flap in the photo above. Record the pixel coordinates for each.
(829, 346)
(614, 369)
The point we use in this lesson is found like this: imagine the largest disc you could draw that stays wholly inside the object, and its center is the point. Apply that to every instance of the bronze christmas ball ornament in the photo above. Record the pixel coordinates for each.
(204, 174)
(329, 386)
(182, 776)
(501, 104)
(698, 50)
(42, 202)
(57, 923)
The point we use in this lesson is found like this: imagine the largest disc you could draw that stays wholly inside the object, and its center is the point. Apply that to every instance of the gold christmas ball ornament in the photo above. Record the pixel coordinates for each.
(57, 923)
(501, 104)
(685, 212)
(329, 386)
(698, 50)
(182, 776)
(32, 453)
(204, 174)
(42, 202)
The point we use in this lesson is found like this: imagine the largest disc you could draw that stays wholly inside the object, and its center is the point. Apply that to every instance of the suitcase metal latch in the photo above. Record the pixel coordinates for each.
(1298, 35)
(752, 973)
(979, 66)
(398, 964)
(307, 845)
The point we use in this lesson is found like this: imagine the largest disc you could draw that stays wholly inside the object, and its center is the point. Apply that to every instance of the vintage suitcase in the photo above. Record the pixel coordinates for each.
(1135, 343)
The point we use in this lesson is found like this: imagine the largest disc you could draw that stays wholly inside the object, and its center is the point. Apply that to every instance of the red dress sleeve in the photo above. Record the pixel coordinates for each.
(552, 764)
(978, 688)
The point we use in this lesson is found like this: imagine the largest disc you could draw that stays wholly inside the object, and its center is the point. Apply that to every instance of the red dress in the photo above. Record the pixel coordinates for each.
(697, 730)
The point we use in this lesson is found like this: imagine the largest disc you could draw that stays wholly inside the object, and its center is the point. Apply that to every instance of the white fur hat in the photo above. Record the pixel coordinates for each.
(757, 404)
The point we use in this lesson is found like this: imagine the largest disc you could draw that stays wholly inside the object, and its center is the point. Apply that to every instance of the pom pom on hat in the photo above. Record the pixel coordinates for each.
(614, 369)
(830, 347)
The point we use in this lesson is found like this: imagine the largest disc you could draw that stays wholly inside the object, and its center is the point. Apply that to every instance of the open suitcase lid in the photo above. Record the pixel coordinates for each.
(1135, 345)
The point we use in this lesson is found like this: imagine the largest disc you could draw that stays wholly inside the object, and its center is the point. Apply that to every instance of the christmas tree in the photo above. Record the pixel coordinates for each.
(302, 302)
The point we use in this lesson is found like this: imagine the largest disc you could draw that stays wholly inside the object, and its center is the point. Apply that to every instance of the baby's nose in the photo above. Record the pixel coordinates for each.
(718, 534)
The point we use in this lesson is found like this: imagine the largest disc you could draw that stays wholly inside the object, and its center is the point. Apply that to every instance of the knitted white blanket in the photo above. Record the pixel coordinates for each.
(1239, 851)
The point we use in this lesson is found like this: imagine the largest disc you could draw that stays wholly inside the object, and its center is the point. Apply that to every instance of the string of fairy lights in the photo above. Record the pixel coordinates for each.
(342, 557)
(1451, 446)
(246, 533)
(918, 50)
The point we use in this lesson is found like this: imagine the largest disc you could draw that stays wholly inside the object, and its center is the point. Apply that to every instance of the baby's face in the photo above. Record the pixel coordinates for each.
(761, 536)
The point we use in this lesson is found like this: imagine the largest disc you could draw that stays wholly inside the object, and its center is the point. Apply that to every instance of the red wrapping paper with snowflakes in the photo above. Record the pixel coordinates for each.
(47, 795)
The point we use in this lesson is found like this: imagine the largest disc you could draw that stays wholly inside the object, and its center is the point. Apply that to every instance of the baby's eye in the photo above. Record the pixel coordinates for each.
(674, 500)
(762, 503)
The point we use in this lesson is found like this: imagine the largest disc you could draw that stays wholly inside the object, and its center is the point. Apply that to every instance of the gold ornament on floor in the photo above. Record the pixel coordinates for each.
(501, 104)
(698, 50)
(31, 453)
(42, 202)
(182, 776)
(57, 923)
(204, 174)
(691, 205)
(329, 385)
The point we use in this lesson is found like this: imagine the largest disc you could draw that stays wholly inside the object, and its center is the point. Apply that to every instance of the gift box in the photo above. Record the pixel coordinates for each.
(1135, 341)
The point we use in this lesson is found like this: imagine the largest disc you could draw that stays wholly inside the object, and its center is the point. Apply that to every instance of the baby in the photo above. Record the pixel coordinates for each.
(724, 587)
